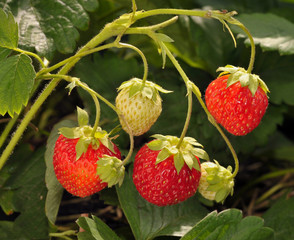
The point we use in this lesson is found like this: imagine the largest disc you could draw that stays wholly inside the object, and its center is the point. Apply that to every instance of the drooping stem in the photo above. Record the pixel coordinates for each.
(97, 119)
(145, 63)
(31, 54)
(189, 92)
(197, 93)
(188, 118)
(252, 56)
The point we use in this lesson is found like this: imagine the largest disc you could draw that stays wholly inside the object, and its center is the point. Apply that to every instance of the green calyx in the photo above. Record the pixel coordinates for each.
(148, 89)
(238, 74)
(84, 133)
(220, 181)
(110, 170)
(186, 153)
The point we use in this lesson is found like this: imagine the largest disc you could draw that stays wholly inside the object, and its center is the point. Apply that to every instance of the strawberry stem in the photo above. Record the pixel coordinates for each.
(252, 56)
(192, 87)
(145, 63)
(30, 54)
(97, 105)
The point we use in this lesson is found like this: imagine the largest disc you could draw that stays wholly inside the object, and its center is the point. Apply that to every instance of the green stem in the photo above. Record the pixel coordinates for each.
(189, 92)
(145, 63)
(30, 54)
(97, 105)
(211, 119)
(170, 11)
(7, 129)
(76, 56)
(25, 122)
(252, 56)
(188, 118)
(109, 30)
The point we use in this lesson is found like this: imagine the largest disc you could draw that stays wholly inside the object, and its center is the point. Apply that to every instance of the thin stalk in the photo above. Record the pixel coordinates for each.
(77, 56)
(211, 119)
(189, 92)
(145, 63)
(30, 54)
(97, 119)
(7, 129)
(188, 118)
(170, 11)
(25, 122)
(110, 30)
(252, 56)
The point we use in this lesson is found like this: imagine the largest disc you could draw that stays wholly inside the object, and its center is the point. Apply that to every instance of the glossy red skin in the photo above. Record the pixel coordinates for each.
(234, 107)
(79, 177)
(159, 183)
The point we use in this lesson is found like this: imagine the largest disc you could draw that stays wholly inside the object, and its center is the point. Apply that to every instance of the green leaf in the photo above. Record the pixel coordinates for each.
(52, 25)
(149, 221)
(163, 37)
(8, 30)
(4, 52)
(83, 117)
(95, 229)
(271, 33)
(229, 224)
(55, 190)
(29, 192)
(6, 230)
(279, 217)
(16, 82)
(89, 5)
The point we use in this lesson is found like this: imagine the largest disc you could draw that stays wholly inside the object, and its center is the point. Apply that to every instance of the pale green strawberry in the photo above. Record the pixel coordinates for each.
(139, 105)
(216, 182)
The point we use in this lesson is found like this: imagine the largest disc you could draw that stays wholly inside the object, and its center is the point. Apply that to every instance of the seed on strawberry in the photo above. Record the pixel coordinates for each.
(79, 176)
(140, 105)
(216, 182)
(237, 101)
(165, 175)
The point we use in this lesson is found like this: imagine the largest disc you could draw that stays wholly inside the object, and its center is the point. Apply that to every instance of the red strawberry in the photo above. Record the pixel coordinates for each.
(236, 104)
(79, 176)
(160, 181)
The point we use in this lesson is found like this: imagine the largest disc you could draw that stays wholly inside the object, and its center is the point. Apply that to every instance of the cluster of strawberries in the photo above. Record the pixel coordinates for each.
(166, 171)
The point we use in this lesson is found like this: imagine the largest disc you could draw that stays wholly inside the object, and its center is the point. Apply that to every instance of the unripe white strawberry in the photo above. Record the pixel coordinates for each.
(216, 182)
(139, 104)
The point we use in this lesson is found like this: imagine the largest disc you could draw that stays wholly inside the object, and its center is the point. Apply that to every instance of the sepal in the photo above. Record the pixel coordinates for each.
(85, 136)
(148, 89)
(186, 153)
(216, 182)
(110, 170)
(238, 74)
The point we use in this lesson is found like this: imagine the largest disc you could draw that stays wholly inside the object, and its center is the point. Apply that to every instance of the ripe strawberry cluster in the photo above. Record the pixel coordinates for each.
(167, 170)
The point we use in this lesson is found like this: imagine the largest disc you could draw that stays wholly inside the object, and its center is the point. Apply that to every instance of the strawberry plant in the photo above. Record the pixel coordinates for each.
(84, 85)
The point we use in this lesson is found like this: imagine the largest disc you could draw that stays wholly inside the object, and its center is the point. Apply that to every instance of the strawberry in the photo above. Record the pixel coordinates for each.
(85, 163)
(237, 100)
(79, 177)
(164, 174)
(139, 104)
(216, 182)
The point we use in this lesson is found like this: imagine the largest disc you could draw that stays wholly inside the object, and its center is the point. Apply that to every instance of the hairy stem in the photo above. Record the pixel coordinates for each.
(109, 30)
(7, 129)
